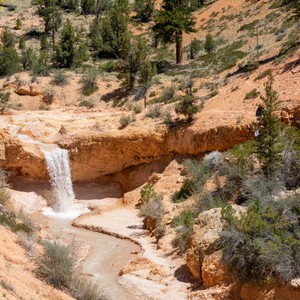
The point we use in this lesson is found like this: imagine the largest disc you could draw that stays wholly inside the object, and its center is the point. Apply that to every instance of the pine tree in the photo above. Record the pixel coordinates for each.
(110, 35)
(71, 50)
(144, 9)
(268, 146)
(172, 21)
(134, 61)
(50, 11)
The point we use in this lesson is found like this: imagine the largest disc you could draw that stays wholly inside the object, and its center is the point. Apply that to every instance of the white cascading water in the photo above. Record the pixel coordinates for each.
(58, 166)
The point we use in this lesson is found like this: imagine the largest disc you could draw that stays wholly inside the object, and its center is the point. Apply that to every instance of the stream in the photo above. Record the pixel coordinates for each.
(106, 257)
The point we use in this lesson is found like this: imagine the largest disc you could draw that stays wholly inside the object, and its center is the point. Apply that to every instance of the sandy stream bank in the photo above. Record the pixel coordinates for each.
(150, 275)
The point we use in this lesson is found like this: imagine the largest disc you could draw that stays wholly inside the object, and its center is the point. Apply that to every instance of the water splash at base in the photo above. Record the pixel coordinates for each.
(70, 214)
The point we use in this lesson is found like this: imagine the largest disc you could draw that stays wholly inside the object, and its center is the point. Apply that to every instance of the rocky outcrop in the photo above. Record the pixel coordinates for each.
(27, 92)
(203, 259)
(25, 160)
(99, 155)
(129, 156)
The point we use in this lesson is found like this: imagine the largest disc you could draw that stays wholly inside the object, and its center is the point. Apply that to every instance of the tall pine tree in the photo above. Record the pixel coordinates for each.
(268, 145)
(172, 21)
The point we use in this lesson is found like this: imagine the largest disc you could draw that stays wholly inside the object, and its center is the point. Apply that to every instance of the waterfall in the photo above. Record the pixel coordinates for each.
(58, 166)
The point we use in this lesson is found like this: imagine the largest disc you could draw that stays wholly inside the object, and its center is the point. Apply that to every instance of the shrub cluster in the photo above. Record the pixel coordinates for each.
(264, 242)
(57, 266)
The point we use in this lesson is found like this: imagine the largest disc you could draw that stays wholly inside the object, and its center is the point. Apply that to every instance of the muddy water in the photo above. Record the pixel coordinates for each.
(103, 256)
(106, 255)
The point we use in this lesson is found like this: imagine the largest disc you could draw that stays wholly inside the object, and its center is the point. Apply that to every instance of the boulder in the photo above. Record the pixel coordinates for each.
(203, 258)
(27, 92)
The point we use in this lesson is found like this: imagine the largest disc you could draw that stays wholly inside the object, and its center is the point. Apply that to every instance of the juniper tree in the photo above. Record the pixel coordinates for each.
(172, 21)
(268, 145)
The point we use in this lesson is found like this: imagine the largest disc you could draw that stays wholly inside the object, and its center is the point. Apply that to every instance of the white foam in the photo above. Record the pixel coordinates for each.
(70, 214)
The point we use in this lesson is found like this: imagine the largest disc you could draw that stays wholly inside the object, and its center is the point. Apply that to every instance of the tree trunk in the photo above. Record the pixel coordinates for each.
(97, 10)
(179, 48)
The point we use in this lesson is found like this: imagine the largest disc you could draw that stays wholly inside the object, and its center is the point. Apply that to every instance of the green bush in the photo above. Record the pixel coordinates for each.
(88, 6)
(3, 174)
(137, 109)
(8, 39)
(153, 112)
(9, 218)
(187, 107)
(195, 48)
(184, 228)
(57, 264)
(126, 120)
(48, 97)
(197, 173)
(209, 45)
(252, 94)
(4, 197)
(89, 82)
(4, 99)
(7, 286)
(18, 24)
(263, 244)
(39, 67)
(168, 94)
(9, 61)
(59, 78)
(82, 289)
(155, 209)
(27, 58)
(147, 193)
(109, 66)
(249, 26)
(88, 103)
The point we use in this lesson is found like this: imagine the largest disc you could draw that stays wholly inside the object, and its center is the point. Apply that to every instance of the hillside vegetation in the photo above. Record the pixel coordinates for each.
(178, 71)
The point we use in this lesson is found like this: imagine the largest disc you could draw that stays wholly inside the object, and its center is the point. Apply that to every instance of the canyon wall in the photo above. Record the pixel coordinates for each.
(123, 152)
